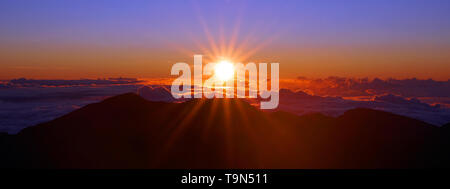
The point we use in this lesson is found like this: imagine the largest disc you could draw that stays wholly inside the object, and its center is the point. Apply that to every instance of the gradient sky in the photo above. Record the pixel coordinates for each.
(54, 39)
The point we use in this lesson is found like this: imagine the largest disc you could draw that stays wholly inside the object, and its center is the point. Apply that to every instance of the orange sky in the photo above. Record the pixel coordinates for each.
(74, 62)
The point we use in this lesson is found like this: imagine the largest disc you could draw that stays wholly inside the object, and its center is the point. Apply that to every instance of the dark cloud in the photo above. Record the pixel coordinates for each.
(22, 82)
(341, 86)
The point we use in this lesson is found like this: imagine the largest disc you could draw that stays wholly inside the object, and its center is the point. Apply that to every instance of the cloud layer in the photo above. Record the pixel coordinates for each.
(341, 86)
(25, 102)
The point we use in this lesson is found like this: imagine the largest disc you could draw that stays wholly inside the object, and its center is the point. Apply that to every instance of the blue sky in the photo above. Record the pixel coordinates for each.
(333, 20)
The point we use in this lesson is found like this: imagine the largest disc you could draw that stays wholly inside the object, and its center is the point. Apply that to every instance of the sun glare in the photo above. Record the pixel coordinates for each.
(224, 70)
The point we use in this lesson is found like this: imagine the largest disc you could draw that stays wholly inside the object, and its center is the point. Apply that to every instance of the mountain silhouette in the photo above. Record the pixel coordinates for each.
(447, 126)
(127, 131)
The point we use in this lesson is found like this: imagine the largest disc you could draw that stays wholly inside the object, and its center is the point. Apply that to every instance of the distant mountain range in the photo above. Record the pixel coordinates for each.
(301, 103)
(27, 102)
(127, 131)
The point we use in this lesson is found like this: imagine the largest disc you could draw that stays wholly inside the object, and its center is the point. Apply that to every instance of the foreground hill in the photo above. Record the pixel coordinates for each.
(127, 131)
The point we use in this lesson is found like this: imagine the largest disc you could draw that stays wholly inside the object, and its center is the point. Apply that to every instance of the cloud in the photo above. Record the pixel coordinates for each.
(29, 102)
(23, 82)
(345, 87)
(302, 103)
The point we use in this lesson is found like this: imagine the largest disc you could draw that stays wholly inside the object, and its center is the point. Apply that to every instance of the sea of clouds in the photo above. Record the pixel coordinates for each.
(25, 103)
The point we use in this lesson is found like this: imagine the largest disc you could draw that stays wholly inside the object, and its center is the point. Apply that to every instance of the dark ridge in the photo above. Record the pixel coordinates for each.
(446, 126)
(127, 131)
(373, 116)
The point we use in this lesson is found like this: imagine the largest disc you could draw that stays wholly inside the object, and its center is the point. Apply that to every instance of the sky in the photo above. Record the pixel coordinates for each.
(55, 39)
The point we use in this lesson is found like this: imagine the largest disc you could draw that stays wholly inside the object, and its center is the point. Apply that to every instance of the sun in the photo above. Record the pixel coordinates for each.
(224, 70)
